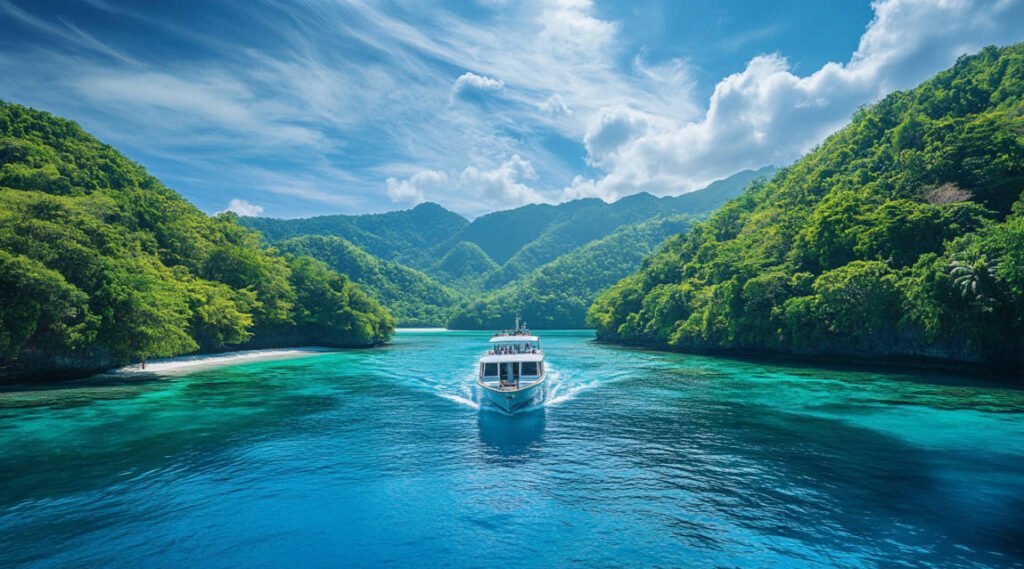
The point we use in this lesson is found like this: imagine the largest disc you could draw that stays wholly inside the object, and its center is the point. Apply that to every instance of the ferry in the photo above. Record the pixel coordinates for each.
(512, 371)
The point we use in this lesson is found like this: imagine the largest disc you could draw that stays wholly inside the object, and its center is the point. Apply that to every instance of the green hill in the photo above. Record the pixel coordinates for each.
(589, 220)
(405, 236)
(902, 235)
(411, 296)
(463, 264)
(100, 264)
(529, 238)
(501, 234)
(557, 294)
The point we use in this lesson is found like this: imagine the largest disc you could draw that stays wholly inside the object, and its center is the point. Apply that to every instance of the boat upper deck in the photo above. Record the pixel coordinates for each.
(492, 358)
(513, 338)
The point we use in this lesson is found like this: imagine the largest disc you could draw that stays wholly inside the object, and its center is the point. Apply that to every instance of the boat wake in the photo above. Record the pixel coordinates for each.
(460, 400)
(561, 388)
(463, 391)
(560, 392)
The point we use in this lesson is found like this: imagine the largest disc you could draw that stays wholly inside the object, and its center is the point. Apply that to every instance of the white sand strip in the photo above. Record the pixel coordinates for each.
(170, 366)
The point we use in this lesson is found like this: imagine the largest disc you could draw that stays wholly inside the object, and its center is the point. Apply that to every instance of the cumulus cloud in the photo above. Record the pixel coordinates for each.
(468, 82)
(414, 189)
(767, 114)
(610, 129)
(244, 208)
(502, 186)
(476, 189)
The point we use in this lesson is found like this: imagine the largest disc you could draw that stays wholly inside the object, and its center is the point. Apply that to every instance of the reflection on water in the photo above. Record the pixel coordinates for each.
(512, 436)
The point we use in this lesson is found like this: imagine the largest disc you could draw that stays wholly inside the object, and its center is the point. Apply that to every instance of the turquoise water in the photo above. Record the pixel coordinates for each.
(384, 458)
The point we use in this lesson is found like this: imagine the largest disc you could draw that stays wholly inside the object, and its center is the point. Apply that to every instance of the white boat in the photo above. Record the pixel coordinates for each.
(512, 371)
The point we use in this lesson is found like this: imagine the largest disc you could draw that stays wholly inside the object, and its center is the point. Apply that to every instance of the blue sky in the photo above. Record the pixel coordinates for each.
(302, 108)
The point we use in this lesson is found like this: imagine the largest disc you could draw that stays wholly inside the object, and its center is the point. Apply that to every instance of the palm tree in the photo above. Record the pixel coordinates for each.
(974, 277)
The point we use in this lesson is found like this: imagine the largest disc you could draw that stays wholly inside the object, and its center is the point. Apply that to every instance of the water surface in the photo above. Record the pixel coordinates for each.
(386, 458)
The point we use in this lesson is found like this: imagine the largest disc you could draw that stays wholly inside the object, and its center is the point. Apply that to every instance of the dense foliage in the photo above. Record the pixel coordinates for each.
(100, 263)
(411, 296)
(901, 235)
(409, 236)
(557, 294)
(526, 238)
(460, 259)
(463, 265)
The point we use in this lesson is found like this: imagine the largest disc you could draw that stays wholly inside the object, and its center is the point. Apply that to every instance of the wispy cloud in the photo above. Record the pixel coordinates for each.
(63, 30)
(311, 106)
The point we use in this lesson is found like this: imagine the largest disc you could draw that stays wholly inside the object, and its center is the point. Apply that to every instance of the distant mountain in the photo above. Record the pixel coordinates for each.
(499, 259)
(588, 220)
(405, 236)
(558, 294)
(411, 296)
(501, 234)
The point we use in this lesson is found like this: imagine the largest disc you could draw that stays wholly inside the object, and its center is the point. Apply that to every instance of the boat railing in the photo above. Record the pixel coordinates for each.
(523, 332)
(513, 351)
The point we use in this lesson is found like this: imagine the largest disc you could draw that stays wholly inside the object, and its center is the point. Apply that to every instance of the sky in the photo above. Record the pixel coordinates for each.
(312, 107)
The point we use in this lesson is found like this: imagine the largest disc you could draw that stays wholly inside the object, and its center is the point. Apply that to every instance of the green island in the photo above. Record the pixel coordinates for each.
(901, 236)
(101, 265)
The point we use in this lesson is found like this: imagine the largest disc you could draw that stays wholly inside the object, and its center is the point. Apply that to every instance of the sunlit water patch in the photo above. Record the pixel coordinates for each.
(387, 457)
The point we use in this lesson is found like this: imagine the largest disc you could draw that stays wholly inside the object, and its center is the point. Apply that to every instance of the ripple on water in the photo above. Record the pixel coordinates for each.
(634, 459)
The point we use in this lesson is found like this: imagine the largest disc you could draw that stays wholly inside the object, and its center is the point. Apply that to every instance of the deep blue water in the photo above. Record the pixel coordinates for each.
(383, 458)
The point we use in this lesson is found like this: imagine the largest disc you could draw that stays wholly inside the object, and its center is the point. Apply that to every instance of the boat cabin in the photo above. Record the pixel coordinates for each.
(510, 370)
(514, 356)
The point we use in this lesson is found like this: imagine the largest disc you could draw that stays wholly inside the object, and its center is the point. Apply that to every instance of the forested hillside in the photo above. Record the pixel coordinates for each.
(407, 236)
(902, 235)
(101, 264)
(462, 258)
(411, 296)
(556, 295)
(523, 239)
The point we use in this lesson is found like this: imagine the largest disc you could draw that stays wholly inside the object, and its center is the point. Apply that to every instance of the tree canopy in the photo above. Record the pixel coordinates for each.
(899, 236)
(100, 262)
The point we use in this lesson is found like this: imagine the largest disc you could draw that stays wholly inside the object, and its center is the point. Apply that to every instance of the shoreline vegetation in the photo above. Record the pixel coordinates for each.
(897, 241)
(101, 266)
(900, 238)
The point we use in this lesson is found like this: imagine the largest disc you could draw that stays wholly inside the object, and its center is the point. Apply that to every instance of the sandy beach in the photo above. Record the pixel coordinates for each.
(182, 364)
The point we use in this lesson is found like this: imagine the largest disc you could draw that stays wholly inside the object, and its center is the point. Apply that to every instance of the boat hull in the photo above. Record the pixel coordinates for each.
(510, 401)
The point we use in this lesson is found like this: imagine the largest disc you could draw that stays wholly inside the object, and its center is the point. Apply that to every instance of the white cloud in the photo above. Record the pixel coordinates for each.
(475, 190)
(319, 114)
(244, 208)
(473, 82)
(767, 114)
(610, 129)
(415, 188)
(501, 187)
(555, 105)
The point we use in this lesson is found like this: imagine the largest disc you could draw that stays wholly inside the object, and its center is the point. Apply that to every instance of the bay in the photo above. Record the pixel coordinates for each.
(385, 457)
